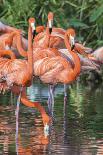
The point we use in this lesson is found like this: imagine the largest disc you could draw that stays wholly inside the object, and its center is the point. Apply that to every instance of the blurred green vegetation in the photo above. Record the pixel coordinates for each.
(86, 16)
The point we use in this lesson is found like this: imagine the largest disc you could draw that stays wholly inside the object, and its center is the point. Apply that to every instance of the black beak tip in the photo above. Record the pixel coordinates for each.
(34, 33)
(72, 48)
(50, 30)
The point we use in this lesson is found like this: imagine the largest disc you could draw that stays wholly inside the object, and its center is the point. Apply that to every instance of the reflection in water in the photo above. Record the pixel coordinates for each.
(76, 127)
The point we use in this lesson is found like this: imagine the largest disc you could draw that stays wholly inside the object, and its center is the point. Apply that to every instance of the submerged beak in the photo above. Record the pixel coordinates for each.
(34, 33)
(72, 42)
(46, 130)
(72, 47)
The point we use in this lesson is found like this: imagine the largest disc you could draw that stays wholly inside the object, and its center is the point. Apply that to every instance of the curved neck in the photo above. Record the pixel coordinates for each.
(16, 90)
(77, 65)
(36, 105)
(9, 40)
(20, 48)
(7, 53)
(28, 53)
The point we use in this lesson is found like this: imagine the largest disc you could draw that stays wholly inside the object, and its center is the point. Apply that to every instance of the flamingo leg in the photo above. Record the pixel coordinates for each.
(51, 99)
(65, 90)
(11, 98)
(48, 102)
(17, 124)
(17, 121)
(64, 119)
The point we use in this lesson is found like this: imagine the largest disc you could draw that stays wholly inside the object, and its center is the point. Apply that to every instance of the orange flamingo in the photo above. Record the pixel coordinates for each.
(46, 120)
(48, 68)
(53, 70)
(24, 69)
(11, 69)
(58, 69)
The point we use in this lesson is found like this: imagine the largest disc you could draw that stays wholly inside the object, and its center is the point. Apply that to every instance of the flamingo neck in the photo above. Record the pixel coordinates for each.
(16, 90)
(30, 52)
(77, 65)
(20, 48)
(36, 105)
(47, 38)
(9, 40)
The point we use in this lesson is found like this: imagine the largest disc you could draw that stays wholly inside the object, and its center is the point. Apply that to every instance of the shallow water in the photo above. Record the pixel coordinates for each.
(76, 127)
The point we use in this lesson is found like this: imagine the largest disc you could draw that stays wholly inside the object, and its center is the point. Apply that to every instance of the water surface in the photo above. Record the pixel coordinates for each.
(76, 127)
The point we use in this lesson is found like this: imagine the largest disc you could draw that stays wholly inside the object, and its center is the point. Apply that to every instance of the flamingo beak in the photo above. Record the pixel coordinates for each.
(46, 130)
(50, 23)
(72, 42)
(33, 29)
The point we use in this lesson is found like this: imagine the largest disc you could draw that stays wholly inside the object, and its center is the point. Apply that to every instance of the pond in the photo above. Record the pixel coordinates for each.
(76, 127)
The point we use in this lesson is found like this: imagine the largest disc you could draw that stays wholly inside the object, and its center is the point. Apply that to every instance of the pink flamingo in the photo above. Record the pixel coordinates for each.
(19, 72)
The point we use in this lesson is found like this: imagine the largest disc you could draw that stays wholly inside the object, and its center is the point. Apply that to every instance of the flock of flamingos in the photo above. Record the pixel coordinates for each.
(50, 53)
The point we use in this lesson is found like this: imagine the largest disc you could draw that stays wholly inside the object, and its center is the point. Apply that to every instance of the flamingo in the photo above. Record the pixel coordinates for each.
(57, 69)
(23, 69)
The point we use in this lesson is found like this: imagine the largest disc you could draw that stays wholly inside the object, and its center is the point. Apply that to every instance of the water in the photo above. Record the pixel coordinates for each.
(76, 127)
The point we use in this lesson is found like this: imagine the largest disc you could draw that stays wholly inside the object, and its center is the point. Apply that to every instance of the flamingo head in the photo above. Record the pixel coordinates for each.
(32, 24)
(46, 121)
(50, 21)
(71, 35)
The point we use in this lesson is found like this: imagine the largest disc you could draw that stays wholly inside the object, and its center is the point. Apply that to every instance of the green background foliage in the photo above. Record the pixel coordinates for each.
(86, 16)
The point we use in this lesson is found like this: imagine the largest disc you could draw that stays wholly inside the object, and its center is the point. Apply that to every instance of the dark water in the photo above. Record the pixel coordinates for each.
(76, 128)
